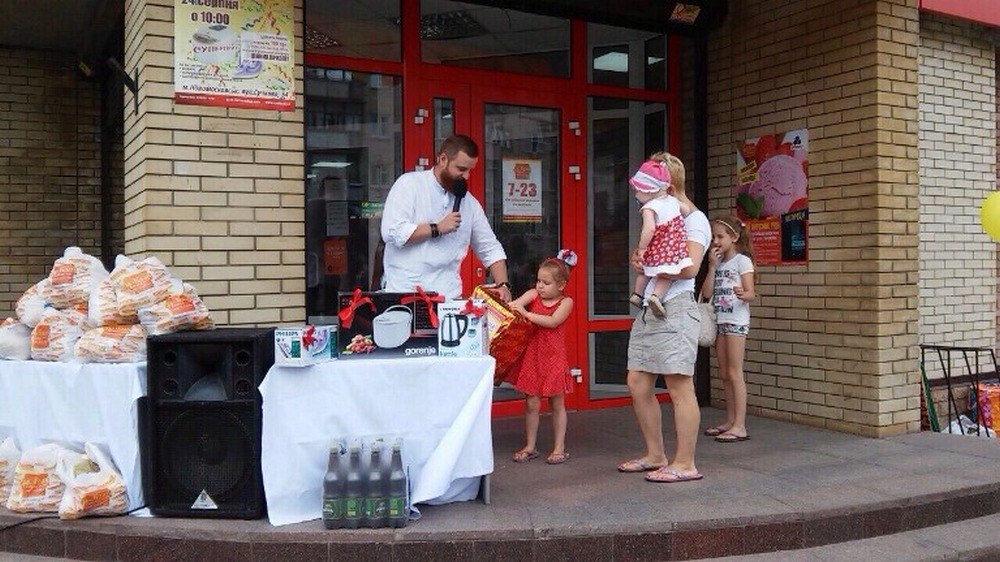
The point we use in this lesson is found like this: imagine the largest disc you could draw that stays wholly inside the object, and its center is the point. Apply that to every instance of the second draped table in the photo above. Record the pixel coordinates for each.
(439, 406)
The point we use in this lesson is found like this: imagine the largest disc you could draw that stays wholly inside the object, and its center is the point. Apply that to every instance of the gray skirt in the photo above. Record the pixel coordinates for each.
(669, 345)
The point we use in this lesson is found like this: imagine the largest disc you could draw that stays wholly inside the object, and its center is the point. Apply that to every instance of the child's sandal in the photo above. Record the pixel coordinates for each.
(636, 300)
(656, 307)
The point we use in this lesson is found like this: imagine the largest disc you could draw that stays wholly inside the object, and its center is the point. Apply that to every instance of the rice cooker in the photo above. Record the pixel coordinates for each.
(392, 328)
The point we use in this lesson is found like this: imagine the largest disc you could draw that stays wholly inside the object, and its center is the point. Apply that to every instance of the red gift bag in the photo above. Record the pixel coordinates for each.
(509, 332)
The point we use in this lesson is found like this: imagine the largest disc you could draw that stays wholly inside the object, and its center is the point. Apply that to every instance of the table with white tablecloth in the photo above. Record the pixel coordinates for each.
(73, 403)
(439, 406)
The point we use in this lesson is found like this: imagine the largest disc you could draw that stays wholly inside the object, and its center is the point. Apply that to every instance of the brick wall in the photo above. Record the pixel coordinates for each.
(215, 193)
(958, 154)
(832, 343)
(49, 167)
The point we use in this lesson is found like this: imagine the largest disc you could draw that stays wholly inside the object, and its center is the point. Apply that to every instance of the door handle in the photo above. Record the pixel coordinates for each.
(577, 374)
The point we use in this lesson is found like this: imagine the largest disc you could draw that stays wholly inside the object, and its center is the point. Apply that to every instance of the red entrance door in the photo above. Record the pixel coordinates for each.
(534, 210)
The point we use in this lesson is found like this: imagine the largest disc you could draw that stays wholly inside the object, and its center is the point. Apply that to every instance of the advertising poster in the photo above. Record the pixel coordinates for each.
(234, 53)
(522, 190)
(772, 196)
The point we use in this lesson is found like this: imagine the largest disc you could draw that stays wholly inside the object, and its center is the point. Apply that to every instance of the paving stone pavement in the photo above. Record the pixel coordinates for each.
(808, 493)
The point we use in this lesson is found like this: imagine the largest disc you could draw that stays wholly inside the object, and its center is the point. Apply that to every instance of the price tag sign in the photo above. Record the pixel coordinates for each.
(522, 190)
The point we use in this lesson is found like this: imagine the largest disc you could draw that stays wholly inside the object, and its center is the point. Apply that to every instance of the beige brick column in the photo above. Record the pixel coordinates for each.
(833, 343)
(215, 193)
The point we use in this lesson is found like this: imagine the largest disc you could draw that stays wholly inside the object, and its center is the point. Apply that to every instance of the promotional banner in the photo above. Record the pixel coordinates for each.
(522, 190)
(235, 53)
(772, 196)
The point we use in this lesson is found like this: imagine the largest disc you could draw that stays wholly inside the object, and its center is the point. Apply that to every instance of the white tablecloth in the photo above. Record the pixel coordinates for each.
(73, 403)
(439, 406)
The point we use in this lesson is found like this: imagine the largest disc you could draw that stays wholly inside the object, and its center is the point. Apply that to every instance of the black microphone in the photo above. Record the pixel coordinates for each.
(459, 189)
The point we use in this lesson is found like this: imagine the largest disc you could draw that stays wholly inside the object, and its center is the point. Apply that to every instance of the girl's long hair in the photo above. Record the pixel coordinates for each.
(743, 243)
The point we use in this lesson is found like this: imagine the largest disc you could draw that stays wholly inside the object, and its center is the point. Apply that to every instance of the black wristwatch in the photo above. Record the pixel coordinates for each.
(504, 285)
(434, 230)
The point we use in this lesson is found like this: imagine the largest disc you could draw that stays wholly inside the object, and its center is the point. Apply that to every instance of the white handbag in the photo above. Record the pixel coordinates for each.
(706, 333)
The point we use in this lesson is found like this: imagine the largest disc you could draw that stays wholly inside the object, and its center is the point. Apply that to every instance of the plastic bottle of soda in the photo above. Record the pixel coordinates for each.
(334, 489)
(376, 503)
(354, 492)
(397, 488)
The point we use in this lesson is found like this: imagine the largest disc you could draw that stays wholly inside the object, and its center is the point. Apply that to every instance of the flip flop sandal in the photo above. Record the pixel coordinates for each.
(727, 437)
(637, 465)
(557, 458)
(670, 475)
(524, 456)
(717, 430)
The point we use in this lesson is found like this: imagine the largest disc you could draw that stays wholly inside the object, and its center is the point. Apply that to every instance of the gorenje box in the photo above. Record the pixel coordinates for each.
(462, 329)
(383, 325)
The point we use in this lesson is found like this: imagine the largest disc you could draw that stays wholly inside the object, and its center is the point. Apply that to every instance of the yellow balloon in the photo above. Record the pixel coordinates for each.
(989, 215)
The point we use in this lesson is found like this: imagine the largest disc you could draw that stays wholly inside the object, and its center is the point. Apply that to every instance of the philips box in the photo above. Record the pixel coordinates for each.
(302, 346)
(462, 329)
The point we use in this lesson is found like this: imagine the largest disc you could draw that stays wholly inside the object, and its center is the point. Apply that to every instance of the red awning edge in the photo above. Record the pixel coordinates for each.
(980, 11)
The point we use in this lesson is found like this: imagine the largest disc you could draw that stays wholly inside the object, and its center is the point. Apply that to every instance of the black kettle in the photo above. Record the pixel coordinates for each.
(453, 327)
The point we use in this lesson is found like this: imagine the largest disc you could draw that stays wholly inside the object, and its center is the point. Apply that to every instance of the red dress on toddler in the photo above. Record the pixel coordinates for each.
(543, 370)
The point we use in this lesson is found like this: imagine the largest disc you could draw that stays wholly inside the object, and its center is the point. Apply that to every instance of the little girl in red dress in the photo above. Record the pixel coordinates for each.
(543, 370)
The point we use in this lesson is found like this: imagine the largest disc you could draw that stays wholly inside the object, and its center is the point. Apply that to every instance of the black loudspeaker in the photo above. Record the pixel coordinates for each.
(201, 438)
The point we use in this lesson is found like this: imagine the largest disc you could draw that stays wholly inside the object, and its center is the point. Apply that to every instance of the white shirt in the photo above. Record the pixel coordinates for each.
(417, 198)
(699, 230)
(728, 274)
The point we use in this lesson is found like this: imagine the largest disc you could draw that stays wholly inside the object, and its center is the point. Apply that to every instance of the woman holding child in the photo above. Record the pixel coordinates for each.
(668, 346)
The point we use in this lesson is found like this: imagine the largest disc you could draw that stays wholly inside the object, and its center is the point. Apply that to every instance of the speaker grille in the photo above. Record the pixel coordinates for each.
(208, 449)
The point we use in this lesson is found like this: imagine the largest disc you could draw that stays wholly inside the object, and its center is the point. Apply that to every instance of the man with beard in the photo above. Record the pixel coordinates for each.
(428, 226)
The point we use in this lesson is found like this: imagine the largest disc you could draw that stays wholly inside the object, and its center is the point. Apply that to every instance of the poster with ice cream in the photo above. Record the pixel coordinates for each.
(772, 195)
(235, 53)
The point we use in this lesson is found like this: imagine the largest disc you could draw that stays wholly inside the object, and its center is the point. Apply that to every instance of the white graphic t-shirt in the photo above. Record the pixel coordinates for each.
(728, 274)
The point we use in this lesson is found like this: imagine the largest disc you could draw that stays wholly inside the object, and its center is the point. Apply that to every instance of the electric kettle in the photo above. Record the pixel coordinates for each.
(453, 327)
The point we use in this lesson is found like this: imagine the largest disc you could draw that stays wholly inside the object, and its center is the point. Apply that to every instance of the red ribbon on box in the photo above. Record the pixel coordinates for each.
(346, 315)
(471, 309)
(427, 300)
(309, 336)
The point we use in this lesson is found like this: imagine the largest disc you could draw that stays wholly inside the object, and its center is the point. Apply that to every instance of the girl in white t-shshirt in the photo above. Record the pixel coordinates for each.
(730, 285)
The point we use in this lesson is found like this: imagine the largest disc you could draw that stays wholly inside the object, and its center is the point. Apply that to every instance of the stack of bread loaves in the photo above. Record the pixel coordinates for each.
(80, 312)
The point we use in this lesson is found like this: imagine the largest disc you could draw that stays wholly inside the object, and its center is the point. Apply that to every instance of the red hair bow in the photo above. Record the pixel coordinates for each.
(427, 300)
(346, 315)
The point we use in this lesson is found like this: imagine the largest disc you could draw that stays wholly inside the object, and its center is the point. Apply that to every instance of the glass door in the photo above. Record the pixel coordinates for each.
(521, 180)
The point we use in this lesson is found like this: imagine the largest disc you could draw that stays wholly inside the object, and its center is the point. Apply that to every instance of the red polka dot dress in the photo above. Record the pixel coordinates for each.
(543, 370)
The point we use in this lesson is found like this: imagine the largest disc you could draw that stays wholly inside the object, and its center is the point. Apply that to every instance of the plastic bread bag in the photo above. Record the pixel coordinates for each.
(73, 278)
(37, 487)
(31, 304)
(112, 344)
(182, 310)
(55, 336)
(15, 340)
(103, 306)
(9, 455)
(139, 284)
(100, 492)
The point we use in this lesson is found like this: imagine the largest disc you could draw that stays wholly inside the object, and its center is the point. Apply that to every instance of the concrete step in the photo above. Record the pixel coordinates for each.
(972, 540)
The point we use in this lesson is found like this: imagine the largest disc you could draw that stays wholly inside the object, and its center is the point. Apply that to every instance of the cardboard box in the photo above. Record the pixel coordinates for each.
(462, 329)
(378, 324)
(302, 346)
